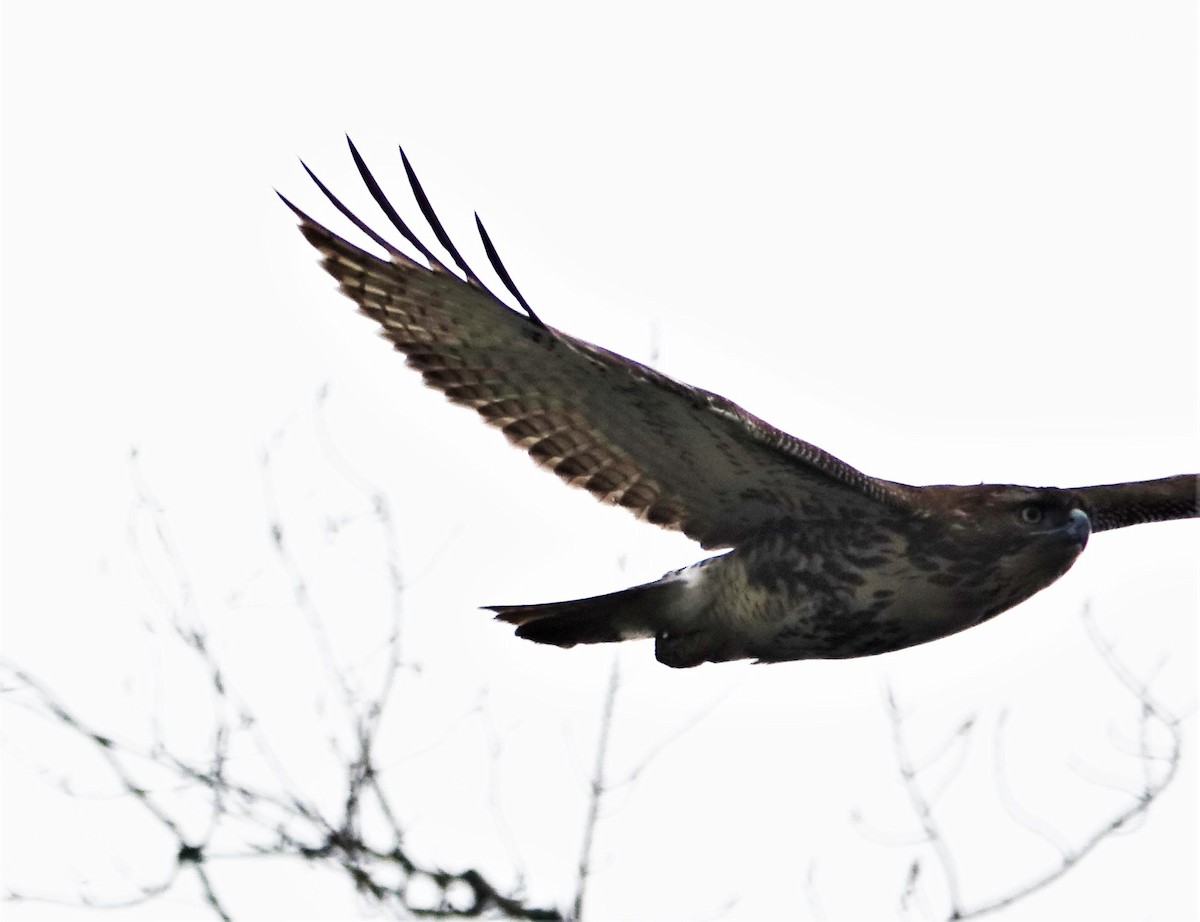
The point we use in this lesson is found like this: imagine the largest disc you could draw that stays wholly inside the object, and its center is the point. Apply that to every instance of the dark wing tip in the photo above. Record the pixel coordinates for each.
(509, 614)
(296, 211)
(502, 272)
(435, 224)
(350, 215)
(389, 210)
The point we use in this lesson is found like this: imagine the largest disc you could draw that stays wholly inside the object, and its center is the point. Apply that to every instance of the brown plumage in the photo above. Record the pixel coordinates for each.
(824, 561)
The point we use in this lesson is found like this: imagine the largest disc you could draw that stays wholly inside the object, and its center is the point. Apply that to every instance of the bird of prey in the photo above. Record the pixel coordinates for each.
(821, 560)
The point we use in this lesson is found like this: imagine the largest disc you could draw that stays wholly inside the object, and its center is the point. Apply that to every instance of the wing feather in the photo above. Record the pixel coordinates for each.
(1116, 505)
(675, 455)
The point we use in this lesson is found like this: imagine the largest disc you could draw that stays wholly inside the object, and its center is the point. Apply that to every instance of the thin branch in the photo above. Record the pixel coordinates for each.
(1151, 713)
(1022, 817)
(275, 822)
(598, 787)
(684, 727)
(923, 810)
(1157, 769)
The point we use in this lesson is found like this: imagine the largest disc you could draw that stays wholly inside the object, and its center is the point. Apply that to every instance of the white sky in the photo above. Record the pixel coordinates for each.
(947, 242)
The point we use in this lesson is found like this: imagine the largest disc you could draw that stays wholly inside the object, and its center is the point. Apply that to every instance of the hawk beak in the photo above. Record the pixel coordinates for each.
(1079, 527)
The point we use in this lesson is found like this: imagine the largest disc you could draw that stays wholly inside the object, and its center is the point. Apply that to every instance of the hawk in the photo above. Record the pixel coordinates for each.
(821, 561)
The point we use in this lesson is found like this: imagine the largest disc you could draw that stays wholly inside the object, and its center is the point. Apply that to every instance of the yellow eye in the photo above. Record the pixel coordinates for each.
(1031, 514)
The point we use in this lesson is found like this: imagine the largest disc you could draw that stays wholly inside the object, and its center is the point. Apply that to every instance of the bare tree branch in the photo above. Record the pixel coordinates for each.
(1029, 821)
(924, 812)
(1157, 770)
(598, 787)
(245, 820)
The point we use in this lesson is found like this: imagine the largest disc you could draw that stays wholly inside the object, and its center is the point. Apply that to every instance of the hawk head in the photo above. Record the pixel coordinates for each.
(997, 545)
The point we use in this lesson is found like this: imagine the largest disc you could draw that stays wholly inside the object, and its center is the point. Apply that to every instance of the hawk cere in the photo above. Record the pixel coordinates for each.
(822, 561)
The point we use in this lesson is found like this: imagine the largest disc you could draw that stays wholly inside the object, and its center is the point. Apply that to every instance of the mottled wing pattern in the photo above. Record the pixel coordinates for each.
(1116, 505)
(674, 455)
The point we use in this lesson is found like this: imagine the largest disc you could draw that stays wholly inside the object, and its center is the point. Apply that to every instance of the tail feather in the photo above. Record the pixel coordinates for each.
(624, 615)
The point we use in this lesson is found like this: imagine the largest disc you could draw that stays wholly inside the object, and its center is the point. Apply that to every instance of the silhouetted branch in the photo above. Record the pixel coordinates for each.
(245, 820)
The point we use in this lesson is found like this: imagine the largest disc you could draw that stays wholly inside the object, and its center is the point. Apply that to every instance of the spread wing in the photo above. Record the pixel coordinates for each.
(675, 455)
(1116, 505)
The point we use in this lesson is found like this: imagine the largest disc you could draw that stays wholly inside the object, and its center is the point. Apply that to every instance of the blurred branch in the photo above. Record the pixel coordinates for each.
(1034, 824)
(811, 893)
(922, 807)
(115, 755)
(246, 821)
(1158, 770)
(598, 786)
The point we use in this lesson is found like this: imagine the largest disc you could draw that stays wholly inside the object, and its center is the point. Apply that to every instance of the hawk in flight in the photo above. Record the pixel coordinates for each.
(822, 561)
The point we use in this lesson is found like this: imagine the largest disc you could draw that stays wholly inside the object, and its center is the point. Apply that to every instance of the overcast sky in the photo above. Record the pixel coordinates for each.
(947, 242)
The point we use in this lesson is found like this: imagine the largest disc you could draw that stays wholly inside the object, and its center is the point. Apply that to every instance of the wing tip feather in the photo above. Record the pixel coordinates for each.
(315, 232)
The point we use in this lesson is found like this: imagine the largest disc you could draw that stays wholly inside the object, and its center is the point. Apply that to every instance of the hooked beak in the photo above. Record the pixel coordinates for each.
(1079, 527)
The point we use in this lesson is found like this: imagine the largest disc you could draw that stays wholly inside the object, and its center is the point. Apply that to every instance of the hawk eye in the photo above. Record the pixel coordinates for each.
(1030, 514)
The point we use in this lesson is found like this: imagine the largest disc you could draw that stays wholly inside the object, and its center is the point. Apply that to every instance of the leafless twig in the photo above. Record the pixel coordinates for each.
(597, 788)
(923, 809)
(244, 820)
(1157, 769)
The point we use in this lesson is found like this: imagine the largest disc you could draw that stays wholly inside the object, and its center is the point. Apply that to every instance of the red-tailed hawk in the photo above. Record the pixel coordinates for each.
(823, 561)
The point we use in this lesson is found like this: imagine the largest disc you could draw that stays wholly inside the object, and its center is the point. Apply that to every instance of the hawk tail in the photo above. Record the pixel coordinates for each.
(625, 615)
